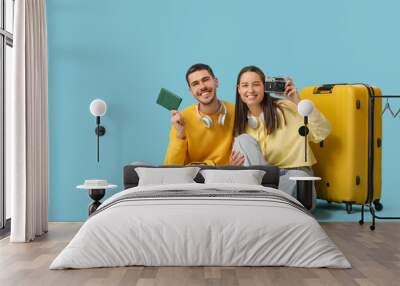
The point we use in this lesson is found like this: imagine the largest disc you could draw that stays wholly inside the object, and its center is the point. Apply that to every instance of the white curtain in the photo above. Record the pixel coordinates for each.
(27, 124)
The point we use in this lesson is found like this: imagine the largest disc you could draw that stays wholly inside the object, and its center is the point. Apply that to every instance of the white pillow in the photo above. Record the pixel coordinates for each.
(248, 177)
(166, 176)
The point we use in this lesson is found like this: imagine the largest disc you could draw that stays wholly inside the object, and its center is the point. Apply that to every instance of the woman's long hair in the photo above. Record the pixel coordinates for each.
(269, 106)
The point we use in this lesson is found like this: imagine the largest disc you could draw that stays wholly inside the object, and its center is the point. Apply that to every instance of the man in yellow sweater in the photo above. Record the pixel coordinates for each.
(202, 133)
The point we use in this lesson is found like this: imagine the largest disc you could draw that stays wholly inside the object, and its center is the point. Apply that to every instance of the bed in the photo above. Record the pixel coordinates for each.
(201, 224)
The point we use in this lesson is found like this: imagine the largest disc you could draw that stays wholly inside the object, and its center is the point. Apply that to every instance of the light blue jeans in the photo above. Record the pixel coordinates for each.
(248, 146)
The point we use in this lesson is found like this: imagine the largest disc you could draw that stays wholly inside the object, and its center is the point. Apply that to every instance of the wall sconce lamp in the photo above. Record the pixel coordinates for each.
(305, 107)
(98, 108)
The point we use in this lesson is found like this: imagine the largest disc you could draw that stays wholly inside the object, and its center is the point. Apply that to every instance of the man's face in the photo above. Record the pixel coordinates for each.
(203, 86)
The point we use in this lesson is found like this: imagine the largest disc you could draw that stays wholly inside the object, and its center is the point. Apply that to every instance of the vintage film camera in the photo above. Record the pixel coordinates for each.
(275, 84)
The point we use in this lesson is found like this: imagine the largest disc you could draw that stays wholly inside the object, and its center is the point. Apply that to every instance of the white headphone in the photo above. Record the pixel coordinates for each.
(252, 121)
(207, 119)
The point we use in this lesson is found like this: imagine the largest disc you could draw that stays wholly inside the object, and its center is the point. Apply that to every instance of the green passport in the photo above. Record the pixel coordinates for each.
(168, 99)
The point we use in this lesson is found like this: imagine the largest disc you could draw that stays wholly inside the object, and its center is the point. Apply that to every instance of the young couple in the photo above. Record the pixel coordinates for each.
(261, 129)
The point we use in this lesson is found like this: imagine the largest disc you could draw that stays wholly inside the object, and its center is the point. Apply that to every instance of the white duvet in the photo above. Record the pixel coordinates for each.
(200, 231)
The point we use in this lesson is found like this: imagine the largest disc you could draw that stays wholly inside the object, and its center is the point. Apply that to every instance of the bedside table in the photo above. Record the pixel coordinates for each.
(304, 190)
(97, 190)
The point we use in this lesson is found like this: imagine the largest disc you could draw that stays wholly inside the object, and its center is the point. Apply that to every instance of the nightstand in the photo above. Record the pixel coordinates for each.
(97, 190)
(304, 190)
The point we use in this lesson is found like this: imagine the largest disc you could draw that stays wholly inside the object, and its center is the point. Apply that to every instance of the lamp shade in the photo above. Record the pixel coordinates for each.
(305, 107)
(98, 107)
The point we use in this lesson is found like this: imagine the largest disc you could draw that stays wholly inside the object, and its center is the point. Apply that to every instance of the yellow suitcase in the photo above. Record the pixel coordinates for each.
(344, 158)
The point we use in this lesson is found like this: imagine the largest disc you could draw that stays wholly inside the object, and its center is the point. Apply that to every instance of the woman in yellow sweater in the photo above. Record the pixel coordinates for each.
(266, 128)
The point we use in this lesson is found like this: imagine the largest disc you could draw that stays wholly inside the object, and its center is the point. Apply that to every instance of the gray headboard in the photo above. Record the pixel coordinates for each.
(270, 179)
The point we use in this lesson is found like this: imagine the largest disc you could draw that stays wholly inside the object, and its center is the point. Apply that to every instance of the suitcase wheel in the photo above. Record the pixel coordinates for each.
(378, 205)
(349, 208)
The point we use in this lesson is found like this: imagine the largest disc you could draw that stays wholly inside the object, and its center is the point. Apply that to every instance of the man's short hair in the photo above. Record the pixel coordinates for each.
(198, 67)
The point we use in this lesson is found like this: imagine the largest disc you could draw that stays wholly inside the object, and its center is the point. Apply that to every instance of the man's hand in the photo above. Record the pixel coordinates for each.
(179, 123)
(236, 159)
(291, 92)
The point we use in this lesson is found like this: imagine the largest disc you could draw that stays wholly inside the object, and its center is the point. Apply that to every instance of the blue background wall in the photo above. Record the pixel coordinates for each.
(124, 51)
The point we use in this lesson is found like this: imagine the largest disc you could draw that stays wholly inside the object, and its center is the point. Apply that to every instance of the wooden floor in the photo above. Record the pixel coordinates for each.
(374, 255)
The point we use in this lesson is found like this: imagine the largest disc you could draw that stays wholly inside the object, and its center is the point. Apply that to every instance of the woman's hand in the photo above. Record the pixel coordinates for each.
(236, 159)
(291, 91)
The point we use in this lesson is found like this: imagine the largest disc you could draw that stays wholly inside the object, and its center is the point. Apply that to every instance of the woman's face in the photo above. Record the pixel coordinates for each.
(251, 88)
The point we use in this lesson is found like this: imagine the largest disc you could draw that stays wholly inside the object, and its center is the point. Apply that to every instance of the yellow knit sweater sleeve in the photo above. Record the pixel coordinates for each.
(177, 150)
(318, 125)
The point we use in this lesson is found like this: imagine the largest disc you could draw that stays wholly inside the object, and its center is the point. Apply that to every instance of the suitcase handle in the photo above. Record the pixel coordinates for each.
(327, 88)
